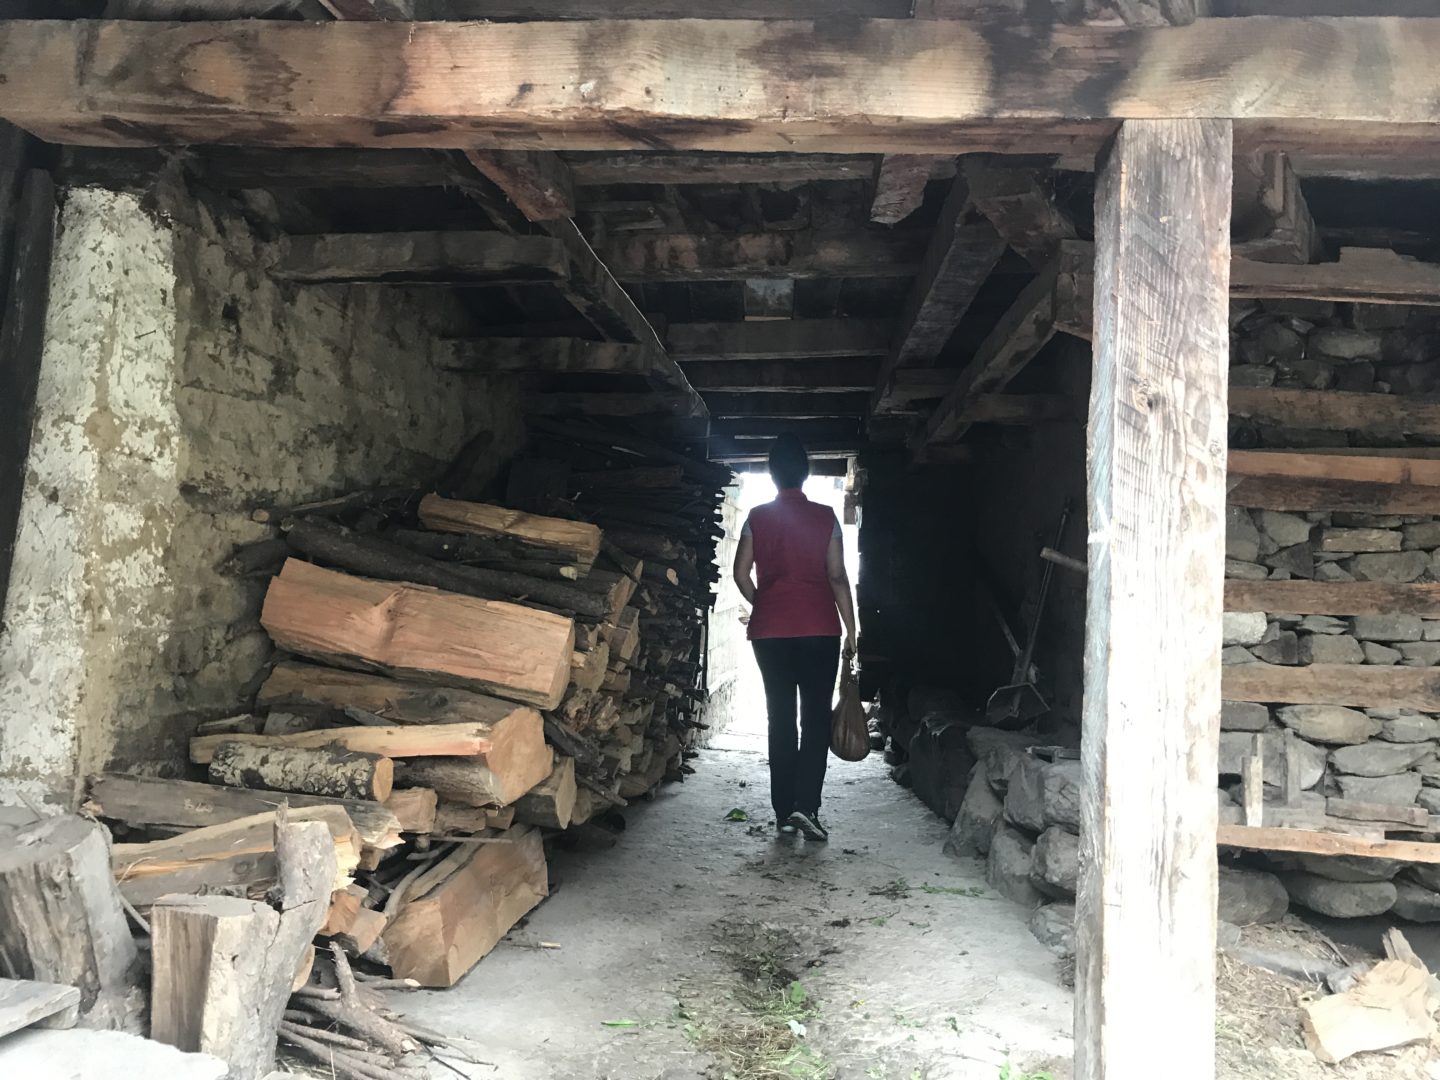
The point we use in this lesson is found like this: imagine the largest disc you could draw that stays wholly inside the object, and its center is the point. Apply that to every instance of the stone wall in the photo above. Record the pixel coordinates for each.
(180, 387)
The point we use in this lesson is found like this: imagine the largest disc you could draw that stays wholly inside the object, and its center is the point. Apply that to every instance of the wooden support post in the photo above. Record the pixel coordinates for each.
(1145, 927)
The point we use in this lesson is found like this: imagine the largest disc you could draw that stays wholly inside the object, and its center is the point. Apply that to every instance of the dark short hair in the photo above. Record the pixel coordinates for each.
(789, 464)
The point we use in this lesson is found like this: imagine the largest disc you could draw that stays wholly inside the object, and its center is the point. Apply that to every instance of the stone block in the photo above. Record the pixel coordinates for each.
(1388, 628)
(1060, 794)
(976, 820)
(1340, 899)
(1356, 377)
(1432, 630)
(1330, 649)
(1427, 874)
(1429, 798)
(1359, 540)
(1332, 572)
(1055, 862)
(1007, 869)
(1024, 798)
(999, 752)
(1378, 654)
(1379, 758)
(1244, 570)
(1322, 624)
(1243, 627)
(1415, 902)
(1297, 560)
(1379, 316)
(1235, 748)
(1394, 568)
(1344, 344)
(1237, 654)
(1402, 789)
(1054, 927)
(1251, 896)
(1406, 727)
(940, 761)
(1361, 519)
(1287, 530)
(1252, 375)
(1243, 716)
(1332, 724)
(1242, 538)
(1279, 342)
(1283, 648)
(1349, 867)
(1420, 536)
(1419, 653)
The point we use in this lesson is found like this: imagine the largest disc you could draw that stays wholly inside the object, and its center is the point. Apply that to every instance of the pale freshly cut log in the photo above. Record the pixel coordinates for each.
(487, 645)
(61, 920)
(555, 539)
(237, 855)
(475, 781)
(588, 669)
(310, 686)
(144, 801)
(551, 803)
(439, 936)
(432, 740)
(332, 771)
(1390, 1005)
(415, 807)
(453, 817)
(26, 1003)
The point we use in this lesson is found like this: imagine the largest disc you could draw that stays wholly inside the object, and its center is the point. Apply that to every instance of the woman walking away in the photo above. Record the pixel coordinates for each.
(794, 547)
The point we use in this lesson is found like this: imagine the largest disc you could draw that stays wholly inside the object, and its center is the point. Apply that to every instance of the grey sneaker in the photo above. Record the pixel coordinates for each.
(808, 825)
(785, 828)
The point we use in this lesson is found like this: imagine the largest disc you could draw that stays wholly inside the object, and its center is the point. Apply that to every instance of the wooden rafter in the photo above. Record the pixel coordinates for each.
(677, 168)
(900, 183)
(735, 257)
(885, 84)
(836, 375)
(1020, 203)
(539, 184)
(516, 356)
(960, 256)
(797, 406)
(422, 258)
(778, 339)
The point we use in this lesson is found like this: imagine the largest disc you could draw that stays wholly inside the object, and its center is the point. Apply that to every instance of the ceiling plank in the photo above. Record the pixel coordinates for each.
(780, 339)
(797, 406)
(697, 84)
(821, 428)
(833, 376)
(1360, 274)
(421, 258)
(735, 257)
(528, 356)
(595, 169)
(958, 259)
(899, 187)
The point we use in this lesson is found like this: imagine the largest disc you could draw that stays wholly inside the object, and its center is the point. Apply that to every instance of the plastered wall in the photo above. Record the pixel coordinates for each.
(180, 388)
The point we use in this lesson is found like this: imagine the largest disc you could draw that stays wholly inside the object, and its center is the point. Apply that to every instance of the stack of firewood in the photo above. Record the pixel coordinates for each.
(457, 680)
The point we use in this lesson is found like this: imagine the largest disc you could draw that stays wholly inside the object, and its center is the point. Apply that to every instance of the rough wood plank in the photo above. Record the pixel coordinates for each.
(538, 183)
(1390, 1006)
(1335, 684)
(1391, 815)
(439, 936)
(899, 187)
(799, 406)
(1388, 416)
(1337, 598)
(1156, 465)
(959, 257)
(422, 258)
(530, 356)
(670, 168)
(414, 808)
(61, 919)
(26, 1003)
(1271, 220)
(720, 257)
(880, 85)
(1020, 203)
(1309, 842)
(832, 376)
(781, 339)
(1363, 274)
(1284, 480)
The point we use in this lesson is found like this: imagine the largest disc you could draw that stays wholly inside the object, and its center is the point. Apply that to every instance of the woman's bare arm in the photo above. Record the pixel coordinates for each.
(744, 564)
(840, 586)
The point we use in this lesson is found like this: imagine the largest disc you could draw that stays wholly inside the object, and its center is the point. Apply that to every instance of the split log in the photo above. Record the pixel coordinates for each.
(588, 669)
(452, 818)
(312, 687)
(61, 920)
(471, 781)
(432, 740)
(415, 807)
(440, 935)
(376, 558)
(573, 542)
(340, 773)
(146, 802)
(478, 551)
(239, 855)
(223, 967)
(1391, 1005)
(433, 636)
(550, 804)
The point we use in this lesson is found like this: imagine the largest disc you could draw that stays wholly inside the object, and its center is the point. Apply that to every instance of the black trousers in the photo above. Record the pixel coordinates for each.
(803, 666)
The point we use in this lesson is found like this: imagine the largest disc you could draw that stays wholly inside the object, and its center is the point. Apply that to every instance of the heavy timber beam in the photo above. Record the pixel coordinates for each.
(740, 450)
(796, 406)
(662, 168)
(539, 184)
(1020, 203)
(958, 259)
(526, 356)
(837, 376)
(891, 85)
(1145, 922)
(815, 430)
(899, 187)
(779, 339)
(704, 257)
(422, 258)
(1270, 220)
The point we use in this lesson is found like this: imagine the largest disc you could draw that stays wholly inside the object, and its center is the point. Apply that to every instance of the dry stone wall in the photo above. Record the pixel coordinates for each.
(180, 387)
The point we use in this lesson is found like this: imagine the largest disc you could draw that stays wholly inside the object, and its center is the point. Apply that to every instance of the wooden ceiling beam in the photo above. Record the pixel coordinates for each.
(735, 257)
(1020, 203)
(534, 356)
(959, 257)
(421, 258)
(538, 183)
(1020, 409)
(1270, 220)
(893, 85)
(795, 406)
(779, 339)
(741, 376)
(1360, 274)
(755, 450)
(823, 429)
(900, 181)
(597, 169)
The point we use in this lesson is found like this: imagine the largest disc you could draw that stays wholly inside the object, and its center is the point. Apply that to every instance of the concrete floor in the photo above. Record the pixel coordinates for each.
(907, 980)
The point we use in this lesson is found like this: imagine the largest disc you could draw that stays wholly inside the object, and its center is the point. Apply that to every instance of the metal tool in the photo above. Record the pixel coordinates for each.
(1013, 705)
